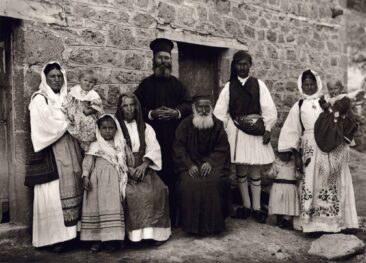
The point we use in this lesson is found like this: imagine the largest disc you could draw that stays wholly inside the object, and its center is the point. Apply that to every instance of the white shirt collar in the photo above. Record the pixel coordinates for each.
(242, 80)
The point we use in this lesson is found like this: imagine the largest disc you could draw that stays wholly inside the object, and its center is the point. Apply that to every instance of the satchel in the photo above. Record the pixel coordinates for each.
(250, 124)
(40, 167)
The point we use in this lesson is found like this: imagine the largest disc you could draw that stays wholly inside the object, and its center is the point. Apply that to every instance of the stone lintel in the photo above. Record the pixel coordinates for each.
(205, 40)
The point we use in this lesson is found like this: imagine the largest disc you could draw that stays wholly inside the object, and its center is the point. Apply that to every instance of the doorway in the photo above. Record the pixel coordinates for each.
(5, 89)
(198, 69)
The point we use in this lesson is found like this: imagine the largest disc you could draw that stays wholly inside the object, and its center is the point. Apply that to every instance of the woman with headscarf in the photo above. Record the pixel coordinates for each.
(327, 202)
(55, 167)
(147, 197)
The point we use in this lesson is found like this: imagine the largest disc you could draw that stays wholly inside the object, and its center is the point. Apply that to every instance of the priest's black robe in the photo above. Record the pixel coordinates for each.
(204, 201)
(154, 92)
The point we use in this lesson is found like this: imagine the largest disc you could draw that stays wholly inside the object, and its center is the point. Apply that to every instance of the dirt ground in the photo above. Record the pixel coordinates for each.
(244, 241)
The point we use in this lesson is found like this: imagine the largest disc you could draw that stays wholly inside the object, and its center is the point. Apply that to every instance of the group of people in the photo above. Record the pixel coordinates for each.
(164, 159)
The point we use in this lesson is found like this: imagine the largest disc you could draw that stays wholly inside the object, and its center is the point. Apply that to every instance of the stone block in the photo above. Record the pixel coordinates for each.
(144, 20)
(96, 24)
(260, 35)
(336, 246)
(128, 77)
(290, 54)
(83, 56)
(93, 37)
(123, 4)
(202, 13)
(271, 36)
(166, 13)
(272, 52)
(123, 16)
(134, 61)
(232, 26)
(281, 38)
(249, 31)
(110, 57)
(120, 37)
(83, 10)
(238, 13)
(223, 6)
(21, 234)
(107, 15)
(334, 62)
(186, 16)
(42, 45)
(142, 3)
(263, 23)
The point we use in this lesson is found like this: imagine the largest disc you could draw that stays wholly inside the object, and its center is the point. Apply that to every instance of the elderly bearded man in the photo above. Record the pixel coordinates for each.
(201, 153)
(165, 102)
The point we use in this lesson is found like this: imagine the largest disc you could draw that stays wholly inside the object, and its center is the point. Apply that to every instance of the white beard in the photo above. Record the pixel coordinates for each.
(202, 122)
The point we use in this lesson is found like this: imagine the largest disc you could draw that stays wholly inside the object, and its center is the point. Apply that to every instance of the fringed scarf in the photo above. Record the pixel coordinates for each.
(116, 154)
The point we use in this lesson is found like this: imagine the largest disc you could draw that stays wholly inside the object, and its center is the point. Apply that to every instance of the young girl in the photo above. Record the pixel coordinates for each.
(83, 107)
(105, 180)
(336, 124)
(284, 195)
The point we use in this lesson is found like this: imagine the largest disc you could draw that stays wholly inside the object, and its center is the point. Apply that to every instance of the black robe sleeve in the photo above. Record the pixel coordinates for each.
(185, 107)
(220, 152)
(181, 155)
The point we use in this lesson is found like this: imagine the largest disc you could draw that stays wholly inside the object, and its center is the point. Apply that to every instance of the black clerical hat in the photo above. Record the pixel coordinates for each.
(161, 44)
(201, 97)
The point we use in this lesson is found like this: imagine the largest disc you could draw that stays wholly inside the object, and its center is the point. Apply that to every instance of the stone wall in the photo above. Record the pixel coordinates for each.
(113, 36)
(356, 52)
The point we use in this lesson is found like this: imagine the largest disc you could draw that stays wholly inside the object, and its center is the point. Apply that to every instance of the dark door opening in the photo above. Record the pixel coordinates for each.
(198, 69)
(5, 30)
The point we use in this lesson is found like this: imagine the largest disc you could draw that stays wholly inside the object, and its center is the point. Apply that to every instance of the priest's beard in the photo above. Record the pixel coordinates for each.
(202, 121)
(162, 69)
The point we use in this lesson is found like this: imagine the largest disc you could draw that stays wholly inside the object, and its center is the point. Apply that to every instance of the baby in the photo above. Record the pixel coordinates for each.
(336, 124)
(83, 107)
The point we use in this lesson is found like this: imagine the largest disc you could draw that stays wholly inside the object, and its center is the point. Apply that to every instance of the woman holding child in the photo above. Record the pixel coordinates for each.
(327, 202)
(54, 170)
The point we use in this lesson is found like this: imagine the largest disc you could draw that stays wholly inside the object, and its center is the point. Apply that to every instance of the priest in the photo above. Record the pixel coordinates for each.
(165, 102)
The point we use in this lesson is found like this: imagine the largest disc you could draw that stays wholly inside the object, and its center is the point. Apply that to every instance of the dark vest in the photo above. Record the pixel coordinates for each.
(244, 100)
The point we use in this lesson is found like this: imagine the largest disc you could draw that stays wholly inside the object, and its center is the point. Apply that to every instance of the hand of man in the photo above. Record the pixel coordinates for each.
(206, 169)
(140, 171)
(266, 137)
(169, 114)
(193, 171)
(164, 113)
(86, 183)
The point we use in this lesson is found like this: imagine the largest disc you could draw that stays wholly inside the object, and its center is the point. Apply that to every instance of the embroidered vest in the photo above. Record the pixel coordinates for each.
(244, 100)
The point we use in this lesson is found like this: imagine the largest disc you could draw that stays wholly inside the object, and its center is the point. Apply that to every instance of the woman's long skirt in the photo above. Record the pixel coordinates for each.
(327, 201)
(147, 209)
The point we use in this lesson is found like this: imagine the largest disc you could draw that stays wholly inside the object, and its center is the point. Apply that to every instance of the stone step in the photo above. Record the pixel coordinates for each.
(15, 234)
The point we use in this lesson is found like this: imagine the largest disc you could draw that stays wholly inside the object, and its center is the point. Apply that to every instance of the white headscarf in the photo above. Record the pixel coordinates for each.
(53, 98)
(318, 93)
(48, 121)
(115, 155)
